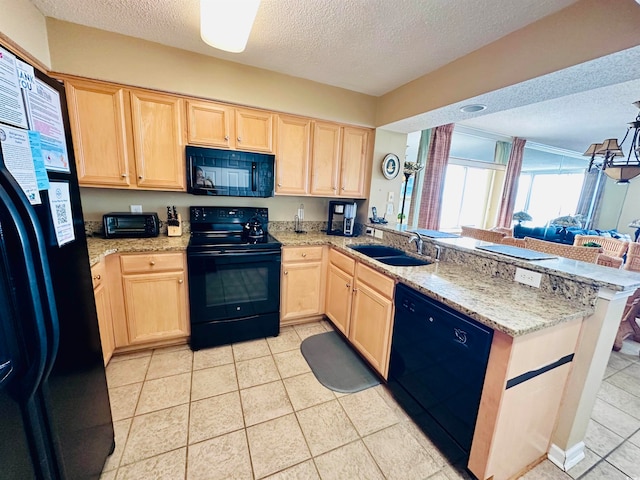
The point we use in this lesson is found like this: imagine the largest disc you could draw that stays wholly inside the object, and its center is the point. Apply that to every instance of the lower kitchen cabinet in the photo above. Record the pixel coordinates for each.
(103, 309)
(302, 284)
(154, 299)
(360, 304)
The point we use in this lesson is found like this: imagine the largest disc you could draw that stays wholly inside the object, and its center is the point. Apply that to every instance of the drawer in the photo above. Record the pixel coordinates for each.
(301, 254)
(98, 272)
(151, 262)
(344, 263)
(375, 280)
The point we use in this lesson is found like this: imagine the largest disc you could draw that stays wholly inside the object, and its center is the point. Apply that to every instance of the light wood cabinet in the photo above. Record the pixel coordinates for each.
(224, 126)
(293, 155)
(359, 303)
(103, 310)
(372, 317)
(126, 138)
(339, 160)
(154, 291)
(302, 285)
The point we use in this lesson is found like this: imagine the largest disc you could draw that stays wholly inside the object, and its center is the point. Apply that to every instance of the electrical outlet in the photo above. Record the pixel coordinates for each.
(391, 196)
(528, 277)
(369, 231)
(135, 208)
(377, 233)
(389, 208)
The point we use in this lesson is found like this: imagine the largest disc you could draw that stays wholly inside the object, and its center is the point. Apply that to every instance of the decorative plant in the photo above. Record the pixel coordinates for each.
(412, 167)
(522, 217)
(566, 221)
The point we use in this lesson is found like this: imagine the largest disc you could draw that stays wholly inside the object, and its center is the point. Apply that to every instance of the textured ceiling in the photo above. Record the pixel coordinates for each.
(374, 46)
(369, 46)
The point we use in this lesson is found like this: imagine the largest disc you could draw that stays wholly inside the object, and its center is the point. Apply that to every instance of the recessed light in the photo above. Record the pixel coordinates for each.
(477, 107)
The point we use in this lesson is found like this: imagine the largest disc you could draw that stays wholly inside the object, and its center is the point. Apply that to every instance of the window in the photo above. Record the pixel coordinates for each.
(465, 194)
(550, 183)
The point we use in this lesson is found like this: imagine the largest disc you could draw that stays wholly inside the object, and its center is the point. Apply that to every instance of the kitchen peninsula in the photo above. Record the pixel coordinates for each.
(573, 314)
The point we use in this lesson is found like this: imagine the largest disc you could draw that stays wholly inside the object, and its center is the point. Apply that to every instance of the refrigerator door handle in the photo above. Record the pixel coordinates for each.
(42, 361)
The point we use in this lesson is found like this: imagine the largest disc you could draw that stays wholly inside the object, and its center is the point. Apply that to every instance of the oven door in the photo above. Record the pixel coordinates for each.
(229, 285)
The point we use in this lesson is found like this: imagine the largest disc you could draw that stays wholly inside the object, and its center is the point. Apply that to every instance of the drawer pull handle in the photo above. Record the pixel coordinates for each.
(152, 263)
(97, 277)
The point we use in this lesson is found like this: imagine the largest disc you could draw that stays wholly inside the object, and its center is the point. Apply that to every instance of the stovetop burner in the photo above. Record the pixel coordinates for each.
(215, 228)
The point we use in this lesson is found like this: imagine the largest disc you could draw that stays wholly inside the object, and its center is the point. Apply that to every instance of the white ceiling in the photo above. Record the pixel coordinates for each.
(374, 46)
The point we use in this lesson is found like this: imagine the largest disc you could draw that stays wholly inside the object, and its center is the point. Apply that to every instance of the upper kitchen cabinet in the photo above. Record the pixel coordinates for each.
(209, 124)
(99, 130)
(158, 140)
(292, 155)
(126, 138)
(223, 126)
(339, 160)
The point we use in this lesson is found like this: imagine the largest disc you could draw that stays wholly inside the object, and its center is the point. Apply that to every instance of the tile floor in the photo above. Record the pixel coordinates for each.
(254, 410)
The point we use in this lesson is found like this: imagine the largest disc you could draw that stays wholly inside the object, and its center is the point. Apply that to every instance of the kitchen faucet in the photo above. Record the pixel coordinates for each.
(416, 237)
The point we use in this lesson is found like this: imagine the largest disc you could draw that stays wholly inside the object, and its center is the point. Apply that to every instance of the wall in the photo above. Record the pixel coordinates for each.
(630, 209)
(23, 25)
(571, 36)
(97, 54)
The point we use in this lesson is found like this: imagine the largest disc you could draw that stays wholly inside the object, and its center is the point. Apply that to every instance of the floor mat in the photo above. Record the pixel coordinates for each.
(336, 365)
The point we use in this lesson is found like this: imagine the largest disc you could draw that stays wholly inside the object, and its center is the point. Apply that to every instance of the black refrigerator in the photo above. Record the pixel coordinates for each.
(55, 418)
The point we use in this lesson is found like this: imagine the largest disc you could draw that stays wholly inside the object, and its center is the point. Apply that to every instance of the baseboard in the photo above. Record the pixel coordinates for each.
(566, 459)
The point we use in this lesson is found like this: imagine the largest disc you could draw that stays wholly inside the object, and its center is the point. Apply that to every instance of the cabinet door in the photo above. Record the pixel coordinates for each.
(99, 130)
(301, 290)
(355, 146)
(254, 130)
(339, 296)
(158, 140)
(210, 124)
(325, 159)
(370, 330)
(103, 310)
(156, 306)
(292, 155)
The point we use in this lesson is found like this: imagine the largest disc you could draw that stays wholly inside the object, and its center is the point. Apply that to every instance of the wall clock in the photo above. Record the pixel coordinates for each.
(390, 166)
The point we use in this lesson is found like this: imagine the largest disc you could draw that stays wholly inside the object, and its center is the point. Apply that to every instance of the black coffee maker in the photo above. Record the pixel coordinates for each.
(344, 214)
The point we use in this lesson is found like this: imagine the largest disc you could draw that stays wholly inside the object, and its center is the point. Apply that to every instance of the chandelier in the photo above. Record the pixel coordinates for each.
(613, 162)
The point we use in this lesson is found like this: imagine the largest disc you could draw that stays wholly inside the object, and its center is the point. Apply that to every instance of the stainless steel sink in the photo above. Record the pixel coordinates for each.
(389, 255)
(375, 251)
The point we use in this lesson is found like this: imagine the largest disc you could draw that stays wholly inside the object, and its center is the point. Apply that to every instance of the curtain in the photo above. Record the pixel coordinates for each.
(591, 196)
(418, 182)
(431, 199)
(510, 188)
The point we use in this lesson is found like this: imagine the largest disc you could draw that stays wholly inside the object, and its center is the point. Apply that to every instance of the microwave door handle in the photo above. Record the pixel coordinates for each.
(254, 174)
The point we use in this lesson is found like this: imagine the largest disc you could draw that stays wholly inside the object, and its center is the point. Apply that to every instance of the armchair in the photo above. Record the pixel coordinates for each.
(584, 254)
(482, 234)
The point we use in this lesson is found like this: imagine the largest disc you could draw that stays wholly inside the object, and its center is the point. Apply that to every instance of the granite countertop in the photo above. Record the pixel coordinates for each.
(501, 304)
(99, 247)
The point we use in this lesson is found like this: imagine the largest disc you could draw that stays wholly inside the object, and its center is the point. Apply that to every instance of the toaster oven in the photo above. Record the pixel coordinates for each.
(130, 225)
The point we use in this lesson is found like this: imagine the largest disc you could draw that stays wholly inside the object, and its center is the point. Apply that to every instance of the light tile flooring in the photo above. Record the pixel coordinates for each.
(254, 410)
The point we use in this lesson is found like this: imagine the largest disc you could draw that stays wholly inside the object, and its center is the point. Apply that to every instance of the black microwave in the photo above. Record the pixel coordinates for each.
(130, 225)
(212, 171)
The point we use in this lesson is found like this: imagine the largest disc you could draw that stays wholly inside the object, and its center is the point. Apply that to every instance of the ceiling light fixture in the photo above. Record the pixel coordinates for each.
(613, 163)
(226, 24)
(476, 107)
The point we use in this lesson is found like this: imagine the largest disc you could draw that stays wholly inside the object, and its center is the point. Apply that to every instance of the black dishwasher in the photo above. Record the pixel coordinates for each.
(437, 367)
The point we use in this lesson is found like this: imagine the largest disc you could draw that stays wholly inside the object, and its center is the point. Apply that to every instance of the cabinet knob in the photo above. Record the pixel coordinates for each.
(279, 184)
(226, 137)
(140, 178)
(348, 285)
(97, 277)
(152, 263)
(286, 272)
(123, 175)
(239, 139)
(181, 281)
(355, 290)
(304, 255)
